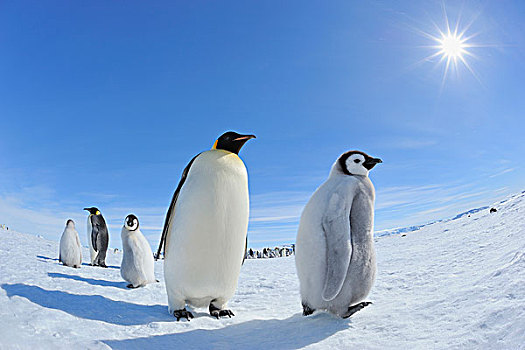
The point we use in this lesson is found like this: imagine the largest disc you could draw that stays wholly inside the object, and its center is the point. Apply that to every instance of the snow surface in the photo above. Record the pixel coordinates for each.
(452, 284)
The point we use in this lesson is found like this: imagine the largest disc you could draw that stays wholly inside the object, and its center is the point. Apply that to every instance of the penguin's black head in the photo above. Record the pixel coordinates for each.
(131, 222)
(232, 141)
(93, 210)
(357, 163)
(70, 222)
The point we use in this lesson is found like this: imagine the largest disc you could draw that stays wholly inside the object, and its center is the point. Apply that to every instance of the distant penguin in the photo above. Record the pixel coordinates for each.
(137, 266)
(335, 255)
(205, 230)
(98, 237)
(70, 249)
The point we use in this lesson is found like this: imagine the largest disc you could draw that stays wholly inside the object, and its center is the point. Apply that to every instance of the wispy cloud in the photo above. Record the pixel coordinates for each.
(413, 205)
(39, 210)
(31, 210)
(274, 217)
(277, 206)
(502, 172)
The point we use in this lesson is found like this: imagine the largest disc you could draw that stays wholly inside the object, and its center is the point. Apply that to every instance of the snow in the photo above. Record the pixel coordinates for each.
(451, 284)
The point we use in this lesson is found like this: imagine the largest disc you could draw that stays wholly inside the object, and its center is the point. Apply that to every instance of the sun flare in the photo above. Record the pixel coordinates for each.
(452, 46)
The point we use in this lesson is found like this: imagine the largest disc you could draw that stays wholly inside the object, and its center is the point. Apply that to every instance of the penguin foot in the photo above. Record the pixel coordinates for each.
(307, 310)
(182, 313)
(103, 265)
(354, 308)
(217, 313)
(131, 286)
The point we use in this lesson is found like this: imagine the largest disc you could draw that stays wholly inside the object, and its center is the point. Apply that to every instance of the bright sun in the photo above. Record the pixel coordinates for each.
(452, 47)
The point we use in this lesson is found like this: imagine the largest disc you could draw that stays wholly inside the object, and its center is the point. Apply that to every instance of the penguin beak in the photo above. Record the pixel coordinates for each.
(245, 138)
(371, 162)
(240, 141)
(86, 209)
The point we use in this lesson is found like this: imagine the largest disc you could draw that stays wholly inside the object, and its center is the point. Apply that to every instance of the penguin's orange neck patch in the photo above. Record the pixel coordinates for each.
(215, 144)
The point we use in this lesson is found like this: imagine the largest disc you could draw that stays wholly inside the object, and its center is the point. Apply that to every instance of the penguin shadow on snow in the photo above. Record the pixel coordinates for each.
(83, 264)
(294, 332)
(93, 307)
(98, 267)
(46, 258)
(91, 281)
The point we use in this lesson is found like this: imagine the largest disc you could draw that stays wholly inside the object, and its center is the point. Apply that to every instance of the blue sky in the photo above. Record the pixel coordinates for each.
(104, 103)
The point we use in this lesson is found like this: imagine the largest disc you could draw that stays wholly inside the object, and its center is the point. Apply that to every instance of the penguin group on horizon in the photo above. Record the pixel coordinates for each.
(269, 253)
(204, 238)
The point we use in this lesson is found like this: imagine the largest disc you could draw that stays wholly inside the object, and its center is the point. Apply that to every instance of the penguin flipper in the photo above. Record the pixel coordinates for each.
(94, 235)
(167, 221)
(336, 227)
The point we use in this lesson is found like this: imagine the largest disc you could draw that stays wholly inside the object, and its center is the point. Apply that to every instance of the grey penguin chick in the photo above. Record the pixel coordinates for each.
(335, 256)
(70, 249)
(98, 237)
(137, 266)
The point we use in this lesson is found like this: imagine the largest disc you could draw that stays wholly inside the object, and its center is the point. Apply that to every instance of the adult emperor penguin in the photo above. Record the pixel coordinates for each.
(205, 230)
(98, 237)
(137, 266)
(335, 255)
(70, 249)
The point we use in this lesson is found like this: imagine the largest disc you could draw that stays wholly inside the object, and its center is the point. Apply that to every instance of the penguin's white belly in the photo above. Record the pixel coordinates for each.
(205, 244)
